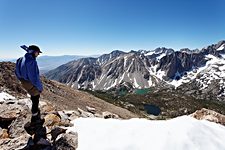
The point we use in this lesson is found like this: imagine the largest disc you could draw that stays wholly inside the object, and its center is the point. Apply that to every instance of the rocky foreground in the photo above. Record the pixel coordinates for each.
(59, 95)
(15, 113)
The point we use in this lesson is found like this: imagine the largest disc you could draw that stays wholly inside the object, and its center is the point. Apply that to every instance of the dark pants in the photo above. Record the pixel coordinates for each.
(35, 102)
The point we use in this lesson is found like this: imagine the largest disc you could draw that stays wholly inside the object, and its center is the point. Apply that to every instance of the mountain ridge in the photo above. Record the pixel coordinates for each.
(143, 69)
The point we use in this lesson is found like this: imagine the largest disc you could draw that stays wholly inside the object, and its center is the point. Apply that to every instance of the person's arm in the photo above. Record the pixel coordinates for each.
(33, 75)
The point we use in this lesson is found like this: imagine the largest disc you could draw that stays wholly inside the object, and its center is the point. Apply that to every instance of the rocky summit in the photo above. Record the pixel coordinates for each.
(15, 114)
(203, 69)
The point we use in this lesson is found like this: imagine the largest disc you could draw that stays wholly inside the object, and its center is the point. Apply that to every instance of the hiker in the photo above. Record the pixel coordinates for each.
(28, 73)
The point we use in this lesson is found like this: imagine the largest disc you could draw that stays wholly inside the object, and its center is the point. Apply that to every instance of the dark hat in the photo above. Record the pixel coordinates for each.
(34, 48)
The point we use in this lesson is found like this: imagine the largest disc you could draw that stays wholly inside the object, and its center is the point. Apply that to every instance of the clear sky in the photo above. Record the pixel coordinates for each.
(87, 27)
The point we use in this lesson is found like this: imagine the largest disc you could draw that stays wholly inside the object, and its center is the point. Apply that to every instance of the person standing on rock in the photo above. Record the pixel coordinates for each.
(28, 73)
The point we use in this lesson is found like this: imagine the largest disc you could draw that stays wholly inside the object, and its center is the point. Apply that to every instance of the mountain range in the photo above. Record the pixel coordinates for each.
(47, 63)
(185, 69)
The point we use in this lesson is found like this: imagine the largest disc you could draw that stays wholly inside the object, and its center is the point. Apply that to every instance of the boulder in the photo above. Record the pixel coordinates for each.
(67, 141)
(16, 128)
(14, 143)
(3, 133)
(63, 115)
(85, 114)
(91, 109)
(51, 120)
(56, 131)
(9, 111)
(107, 115)
(210, 115)
(46, 107)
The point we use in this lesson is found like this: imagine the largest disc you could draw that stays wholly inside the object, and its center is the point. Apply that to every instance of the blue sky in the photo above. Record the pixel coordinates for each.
(88, 27)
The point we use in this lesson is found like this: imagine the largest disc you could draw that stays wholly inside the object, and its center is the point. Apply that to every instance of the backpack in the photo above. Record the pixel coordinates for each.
(18, 66)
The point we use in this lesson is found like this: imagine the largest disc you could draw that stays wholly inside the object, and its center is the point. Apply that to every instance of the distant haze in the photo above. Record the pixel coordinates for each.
(47, 63)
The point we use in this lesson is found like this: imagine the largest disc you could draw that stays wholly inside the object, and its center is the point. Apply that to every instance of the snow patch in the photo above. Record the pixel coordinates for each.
(125, 61)
(221, 47)
(160, 74)
(150, 83)
(122, 77)
(161, 56)
(181, 133)
(135, 83)
(112, 85)
(223, 55)
(5, 96)
(150, 53)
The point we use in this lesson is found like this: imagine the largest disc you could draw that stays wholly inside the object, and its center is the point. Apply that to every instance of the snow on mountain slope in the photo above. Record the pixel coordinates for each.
(213, 70)
(5, 96)
(213, 73)
(145, 69)
(182, 133)
(221, 47)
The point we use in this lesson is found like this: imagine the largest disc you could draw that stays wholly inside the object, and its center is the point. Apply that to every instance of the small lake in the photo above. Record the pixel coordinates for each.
(141, 91)
(152, 109)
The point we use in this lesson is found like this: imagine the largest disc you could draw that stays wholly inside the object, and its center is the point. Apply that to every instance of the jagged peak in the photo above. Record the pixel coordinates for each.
(160, 50)
(189, 51)
(117, 52)
(143, 51)
(221, 42)
(82, 60)
(220, 45)
(133, 51)
(185, 50)
(215, 46)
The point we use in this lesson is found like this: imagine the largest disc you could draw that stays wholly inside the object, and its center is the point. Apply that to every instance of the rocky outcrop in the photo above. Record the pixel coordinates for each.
(67, 141)
(210, 115)
(4, 133)
(7, 75)
(180, 62)
(105, 58)
(14, 116)
(15, 131)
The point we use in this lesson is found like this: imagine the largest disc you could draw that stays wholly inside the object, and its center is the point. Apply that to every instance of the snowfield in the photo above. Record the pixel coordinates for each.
(182, 133)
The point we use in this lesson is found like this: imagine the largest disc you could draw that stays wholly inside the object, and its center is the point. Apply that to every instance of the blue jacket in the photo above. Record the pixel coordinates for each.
(27, 69)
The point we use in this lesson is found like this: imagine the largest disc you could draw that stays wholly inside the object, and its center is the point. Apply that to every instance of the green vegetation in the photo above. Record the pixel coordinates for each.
(171, 103)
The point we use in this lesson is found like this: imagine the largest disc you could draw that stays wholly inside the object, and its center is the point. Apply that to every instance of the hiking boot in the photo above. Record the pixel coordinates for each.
(30, 129)
(37, 121)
